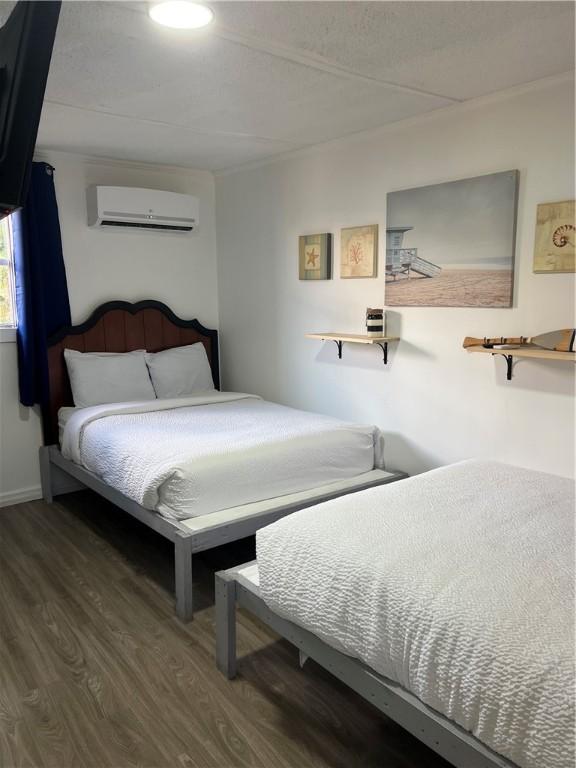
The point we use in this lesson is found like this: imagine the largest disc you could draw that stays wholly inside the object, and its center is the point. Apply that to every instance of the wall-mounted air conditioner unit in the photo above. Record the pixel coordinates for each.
(141, 209)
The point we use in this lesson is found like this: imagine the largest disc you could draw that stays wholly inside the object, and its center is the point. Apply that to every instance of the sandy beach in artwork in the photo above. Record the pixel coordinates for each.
(452, 288)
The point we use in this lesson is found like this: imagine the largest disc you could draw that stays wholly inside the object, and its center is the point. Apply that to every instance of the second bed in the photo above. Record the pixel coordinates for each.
(447, 600)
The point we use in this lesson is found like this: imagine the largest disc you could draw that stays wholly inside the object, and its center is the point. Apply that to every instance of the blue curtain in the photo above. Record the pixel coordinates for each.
(41, 290)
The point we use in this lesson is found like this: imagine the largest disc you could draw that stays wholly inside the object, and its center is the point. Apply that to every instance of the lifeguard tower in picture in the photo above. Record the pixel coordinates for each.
(402, 261)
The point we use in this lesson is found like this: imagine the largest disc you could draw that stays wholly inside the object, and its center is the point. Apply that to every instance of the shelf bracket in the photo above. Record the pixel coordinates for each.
(384, 347)
(509, 363)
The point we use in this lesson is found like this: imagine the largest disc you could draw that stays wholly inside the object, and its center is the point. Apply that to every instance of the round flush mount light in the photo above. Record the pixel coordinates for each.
(180, 14)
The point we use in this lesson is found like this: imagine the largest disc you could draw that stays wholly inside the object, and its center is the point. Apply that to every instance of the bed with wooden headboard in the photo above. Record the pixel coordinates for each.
(119, 326)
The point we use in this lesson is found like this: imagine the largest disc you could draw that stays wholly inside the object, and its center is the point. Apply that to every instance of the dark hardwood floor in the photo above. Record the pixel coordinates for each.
(95, 670)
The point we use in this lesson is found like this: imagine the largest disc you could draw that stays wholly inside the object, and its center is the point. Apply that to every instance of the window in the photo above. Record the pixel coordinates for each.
(7, 300)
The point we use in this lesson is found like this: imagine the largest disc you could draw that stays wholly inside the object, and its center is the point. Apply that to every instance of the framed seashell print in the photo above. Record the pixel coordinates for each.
(554, 243)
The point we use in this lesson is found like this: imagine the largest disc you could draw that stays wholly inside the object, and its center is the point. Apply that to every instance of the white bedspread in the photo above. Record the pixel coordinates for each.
(458, 584)
(197, 455)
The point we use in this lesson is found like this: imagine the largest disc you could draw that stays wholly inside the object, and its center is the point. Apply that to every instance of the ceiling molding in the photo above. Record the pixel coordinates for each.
(463, 106)
(45, 154)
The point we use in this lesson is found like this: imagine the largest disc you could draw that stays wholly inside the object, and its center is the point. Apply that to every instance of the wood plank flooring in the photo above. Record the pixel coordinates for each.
(95, 670)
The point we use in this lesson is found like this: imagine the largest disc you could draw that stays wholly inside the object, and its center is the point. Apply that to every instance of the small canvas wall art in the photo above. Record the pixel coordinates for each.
(555, 237)
(452, 244)
(359, 251)
(315, 257)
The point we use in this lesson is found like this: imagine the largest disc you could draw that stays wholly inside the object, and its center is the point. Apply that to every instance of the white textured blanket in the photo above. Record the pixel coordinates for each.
(197, 455)
(458, 584)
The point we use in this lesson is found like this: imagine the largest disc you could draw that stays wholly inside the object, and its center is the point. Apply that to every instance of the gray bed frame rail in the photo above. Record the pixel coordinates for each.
(439, 733)
(59, 476)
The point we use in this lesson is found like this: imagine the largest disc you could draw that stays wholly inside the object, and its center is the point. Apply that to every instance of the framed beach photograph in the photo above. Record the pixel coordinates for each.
(359, 251)
(452, 244)
(555, 238)
(315, 257)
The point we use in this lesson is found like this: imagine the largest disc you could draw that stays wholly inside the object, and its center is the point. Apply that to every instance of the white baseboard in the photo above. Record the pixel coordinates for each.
(19, 496)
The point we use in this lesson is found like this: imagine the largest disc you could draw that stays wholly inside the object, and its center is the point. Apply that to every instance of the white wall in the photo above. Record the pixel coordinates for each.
(113, 264)
(435, 403)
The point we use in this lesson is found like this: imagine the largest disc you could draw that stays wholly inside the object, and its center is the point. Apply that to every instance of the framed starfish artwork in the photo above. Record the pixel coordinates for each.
(315, 257)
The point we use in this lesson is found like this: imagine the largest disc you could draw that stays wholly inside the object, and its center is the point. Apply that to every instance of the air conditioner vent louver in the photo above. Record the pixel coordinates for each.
(144, 225)
(134, 208)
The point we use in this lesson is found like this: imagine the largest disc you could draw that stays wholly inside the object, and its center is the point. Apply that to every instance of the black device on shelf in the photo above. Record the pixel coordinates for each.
(26, 42)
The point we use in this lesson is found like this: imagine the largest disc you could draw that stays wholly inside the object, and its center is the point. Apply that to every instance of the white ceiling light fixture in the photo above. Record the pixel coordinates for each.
(180, 14)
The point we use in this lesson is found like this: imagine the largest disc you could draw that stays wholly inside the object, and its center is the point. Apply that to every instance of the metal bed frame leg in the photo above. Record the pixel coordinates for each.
(226, 625)
(183, 578)
(45, 475)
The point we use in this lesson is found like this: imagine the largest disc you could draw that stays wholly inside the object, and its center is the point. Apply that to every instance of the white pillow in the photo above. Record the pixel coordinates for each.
(180, 371)
(108, 377)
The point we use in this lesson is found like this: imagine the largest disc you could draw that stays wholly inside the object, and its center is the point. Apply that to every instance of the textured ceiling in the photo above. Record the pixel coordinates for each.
(269, 77)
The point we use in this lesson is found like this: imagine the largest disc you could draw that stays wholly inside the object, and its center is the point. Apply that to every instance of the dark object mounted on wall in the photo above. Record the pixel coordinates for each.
(26, 42)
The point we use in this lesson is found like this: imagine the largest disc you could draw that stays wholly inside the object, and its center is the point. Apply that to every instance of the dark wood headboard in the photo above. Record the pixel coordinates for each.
(119, 326)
